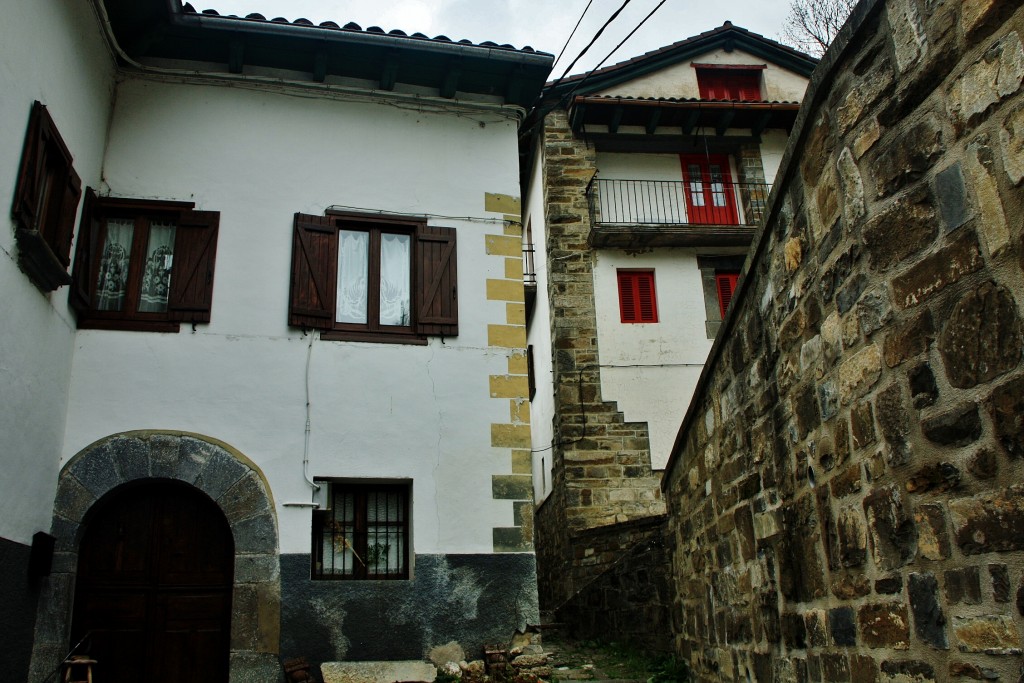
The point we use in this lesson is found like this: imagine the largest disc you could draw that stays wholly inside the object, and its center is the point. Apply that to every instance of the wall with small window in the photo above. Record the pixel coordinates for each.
(54, 56)
(662, 358)
(391, 397)
(56, 65)
(680, 80)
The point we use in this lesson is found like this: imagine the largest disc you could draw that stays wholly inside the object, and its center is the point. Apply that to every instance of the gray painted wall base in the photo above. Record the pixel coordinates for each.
(18, 600)
(472, 599)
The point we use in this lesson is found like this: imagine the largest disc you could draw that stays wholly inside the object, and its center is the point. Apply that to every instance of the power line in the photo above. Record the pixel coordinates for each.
(591, 43)
(574, 29)
(614, 50)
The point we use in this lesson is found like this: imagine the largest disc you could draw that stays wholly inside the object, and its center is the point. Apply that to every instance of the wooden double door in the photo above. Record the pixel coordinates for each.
(155, 571)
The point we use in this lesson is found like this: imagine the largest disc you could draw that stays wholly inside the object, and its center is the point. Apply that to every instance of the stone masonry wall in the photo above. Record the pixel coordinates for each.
(847, 492)
(629, 600)
(601, 463)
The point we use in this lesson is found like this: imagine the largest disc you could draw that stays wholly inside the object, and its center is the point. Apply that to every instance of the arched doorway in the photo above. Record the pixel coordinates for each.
(153, 591)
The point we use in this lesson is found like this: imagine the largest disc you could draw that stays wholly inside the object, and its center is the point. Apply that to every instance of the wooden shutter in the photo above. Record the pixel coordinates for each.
(726, 283)
(637, 299)
(80, 296)
(748, 86)
(437, 302)
(314, 279)
(195, 254)
(32, 171)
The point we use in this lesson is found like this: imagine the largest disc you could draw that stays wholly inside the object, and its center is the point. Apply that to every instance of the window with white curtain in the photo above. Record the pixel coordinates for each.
(376, 278)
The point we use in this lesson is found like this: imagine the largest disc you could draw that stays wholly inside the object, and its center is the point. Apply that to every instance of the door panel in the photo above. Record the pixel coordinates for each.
(154, 586)
(710, 191)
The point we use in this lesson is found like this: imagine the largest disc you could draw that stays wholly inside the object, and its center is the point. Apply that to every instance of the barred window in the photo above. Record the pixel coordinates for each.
(363, 533)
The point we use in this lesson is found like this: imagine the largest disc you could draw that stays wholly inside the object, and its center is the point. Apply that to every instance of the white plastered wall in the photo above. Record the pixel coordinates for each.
(52, 52)
(680, 80)
(542, 406)
(377, 410)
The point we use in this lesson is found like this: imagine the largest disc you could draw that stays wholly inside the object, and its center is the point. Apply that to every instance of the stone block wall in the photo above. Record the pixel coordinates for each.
(846, 496)
(601, 464)
(625, 593)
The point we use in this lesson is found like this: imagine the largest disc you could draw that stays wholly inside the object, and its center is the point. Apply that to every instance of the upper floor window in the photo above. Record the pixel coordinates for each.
(45, 201)
(637, 300)
(143, 265)
(729, 82)
(373, 279)
(363, 533)
(725, 283)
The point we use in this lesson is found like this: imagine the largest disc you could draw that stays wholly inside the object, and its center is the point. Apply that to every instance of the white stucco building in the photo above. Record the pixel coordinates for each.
(263, 313)
(644, 186)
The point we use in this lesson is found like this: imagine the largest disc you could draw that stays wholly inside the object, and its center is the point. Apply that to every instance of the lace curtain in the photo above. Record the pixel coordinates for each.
(395, 303)
(353, 263)
(156, 278)
(112, 283)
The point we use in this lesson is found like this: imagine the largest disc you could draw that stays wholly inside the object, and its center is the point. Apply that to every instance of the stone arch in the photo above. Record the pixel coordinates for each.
(231, 480)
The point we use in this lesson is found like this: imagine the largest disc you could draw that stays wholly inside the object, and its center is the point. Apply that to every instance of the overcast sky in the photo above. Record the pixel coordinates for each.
(542, 24)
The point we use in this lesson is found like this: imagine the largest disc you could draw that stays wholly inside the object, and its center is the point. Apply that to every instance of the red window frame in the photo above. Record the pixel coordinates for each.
(637, 296)
(725, 284)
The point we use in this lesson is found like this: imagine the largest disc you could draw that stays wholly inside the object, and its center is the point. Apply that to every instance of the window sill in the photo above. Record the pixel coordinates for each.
(373, 337)
(38, 261)
(129, 325)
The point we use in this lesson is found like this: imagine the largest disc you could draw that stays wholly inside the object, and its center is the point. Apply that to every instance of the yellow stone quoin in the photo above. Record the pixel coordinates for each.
(510, 335)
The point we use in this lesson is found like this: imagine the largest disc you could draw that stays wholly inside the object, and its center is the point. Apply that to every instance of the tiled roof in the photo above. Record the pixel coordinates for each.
(679, 100)
(727, 27)
(352, 27)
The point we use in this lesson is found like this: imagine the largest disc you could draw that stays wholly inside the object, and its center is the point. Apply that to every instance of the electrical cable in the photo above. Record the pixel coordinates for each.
(574, 28)
(614, 50)
(583, 412)
(591, 43)
(305, 447)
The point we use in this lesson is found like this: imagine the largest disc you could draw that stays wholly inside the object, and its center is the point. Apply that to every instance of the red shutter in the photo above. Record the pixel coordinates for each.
(726, 286)
(749, 86)
(627, 301)
(437, 303)
(637, 299)
(314, 279)
(729, 84)
(195, 254)
(80, 296)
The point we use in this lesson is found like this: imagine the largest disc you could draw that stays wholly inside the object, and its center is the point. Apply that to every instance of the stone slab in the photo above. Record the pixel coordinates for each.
(377, 672)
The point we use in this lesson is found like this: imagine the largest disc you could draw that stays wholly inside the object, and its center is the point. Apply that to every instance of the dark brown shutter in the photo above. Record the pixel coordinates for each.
(437, 305)
(64, 228)
(32, 171)
(314, 281)
(195, 255)
(80, 296)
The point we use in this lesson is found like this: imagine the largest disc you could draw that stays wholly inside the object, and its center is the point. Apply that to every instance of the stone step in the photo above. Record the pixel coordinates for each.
(378, 672)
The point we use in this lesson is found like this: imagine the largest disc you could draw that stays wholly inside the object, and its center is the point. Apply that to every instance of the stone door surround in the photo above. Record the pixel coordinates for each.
(221, 472)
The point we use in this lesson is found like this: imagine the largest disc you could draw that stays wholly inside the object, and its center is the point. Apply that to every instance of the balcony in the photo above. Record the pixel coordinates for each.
(674, 213)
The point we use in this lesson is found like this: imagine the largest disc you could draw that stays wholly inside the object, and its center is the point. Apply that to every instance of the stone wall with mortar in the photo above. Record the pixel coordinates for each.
(846, 492)
(601, 463)
(625, 593)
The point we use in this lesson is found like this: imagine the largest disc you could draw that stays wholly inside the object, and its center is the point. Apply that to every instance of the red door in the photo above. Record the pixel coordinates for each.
(710, 193)
(155, 572)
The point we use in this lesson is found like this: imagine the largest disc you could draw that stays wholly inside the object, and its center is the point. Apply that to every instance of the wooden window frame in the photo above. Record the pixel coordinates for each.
(433, 273)
(192, 270)
(45, 203)
(633, 296)
(725, 286)
(361, 492)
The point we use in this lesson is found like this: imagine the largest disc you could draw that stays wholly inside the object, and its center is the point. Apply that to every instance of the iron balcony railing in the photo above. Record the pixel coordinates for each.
(676, 202)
